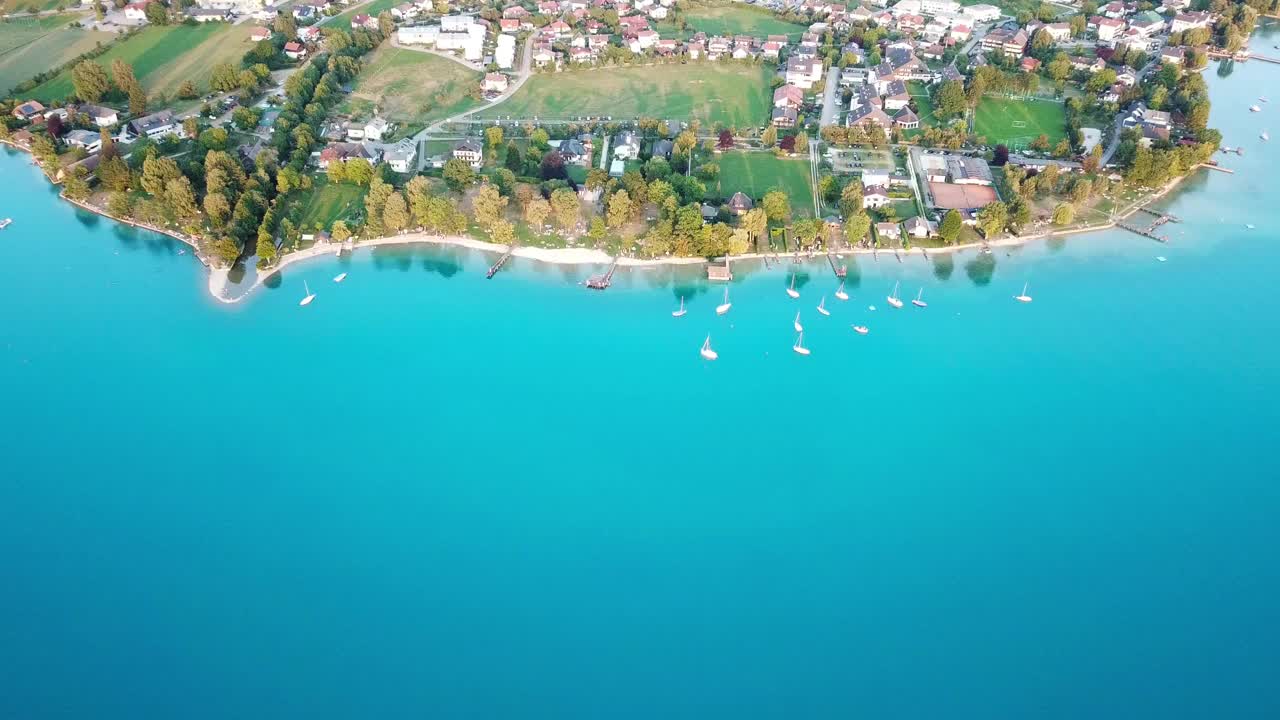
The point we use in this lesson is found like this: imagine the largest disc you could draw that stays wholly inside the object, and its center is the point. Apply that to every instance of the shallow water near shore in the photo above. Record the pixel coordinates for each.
(434, 495)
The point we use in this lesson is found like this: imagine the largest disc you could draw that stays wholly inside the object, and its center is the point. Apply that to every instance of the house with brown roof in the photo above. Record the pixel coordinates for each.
(740, 204)
(788, 96)
(30, 110)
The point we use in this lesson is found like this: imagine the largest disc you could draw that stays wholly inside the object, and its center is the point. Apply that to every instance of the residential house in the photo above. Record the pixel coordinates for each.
(1029, 65)
(784, 117)
(156, 125)
(981, 13)
(918, 227)
(626, 146)
(202, 15)
(1059, 31)
(101, 116)
(470, 152)
(804, 72)
(1186, 21)
(788, 96)
(889, 232)
(740, 204)
(906, 120)
(136, 11)
(1173, 55)
(30, 110)
(259, 34)
(896, 96)
(89, 140)
(869, 116)
(875, 196)
(494, 83)
(342, 152)
(504, 54)
(295, 50)
(1010, 42)
(663, 148)
(402, 156)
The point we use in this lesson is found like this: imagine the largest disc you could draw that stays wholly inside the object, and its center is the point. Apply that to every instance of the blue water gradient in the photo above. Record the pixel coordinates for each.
(432, 495)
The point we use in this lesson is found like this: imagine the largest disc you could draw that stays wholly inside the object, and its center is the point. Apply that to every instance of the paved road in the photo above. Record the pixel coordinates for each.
(829, 97)
(522, 75)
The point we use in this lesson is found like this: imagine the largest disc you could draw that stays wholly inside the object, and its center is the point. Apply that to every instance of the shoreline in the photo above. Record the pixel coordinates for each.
(218, 277)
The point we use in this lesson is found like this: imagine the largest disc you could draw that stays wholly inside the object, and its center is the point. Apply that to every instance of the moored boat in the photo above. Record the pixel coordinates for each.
(799, 346)
(306, 300)
(791, 291)
(840, 293)
(706, 351)
(919, 301)
(893, 299)
(1024, 297)
(723, 307)
(681, 311)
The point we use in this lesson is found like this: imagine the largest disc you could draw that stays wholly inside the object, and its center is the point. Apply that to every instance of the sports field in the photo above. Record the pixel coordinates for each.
(1018, 122)
(756, 173)
(164, 57)
(733, 94)
(735, 19)
(412, 88)
(29, 46)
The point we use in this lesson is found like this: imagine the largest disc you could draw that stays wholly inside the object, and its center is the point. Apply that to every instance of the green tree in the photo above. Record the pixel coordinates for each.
(565, 207)
(1064, 214)
(217, 208)
(493, 136)
(395, 213)
(75, 186)
(90, 81)
(993, 218)
(777, 206)
(851, 198)
(375, 203)
(618, 210)
(458, 174)
(137, 99)
(119, 204)
(180, 199)
(514, 161)
(950, 228)
(770, 136)
(856, 226)
(488, 207)
(157, 14)
(802, 142)
(537, 212)
(949, 101)
(156, 174)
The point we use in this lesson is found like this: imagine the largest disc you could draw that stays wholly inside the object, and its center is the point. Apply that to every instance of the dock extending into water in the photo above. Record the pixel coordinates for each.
(493, 269)
(602, 282)
(1150, 231)
(840, 270)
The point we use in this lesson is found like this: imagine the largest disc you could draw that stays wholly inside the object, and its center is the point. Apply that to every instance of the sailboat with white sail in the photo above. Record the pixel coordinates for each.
(681, 311)
(791, 291)
(1024, 297)
(919, 301)
(306, 300)
(723, 307)
(840, 293)
(893, 299)
(799, 346)
(706, 351)
(797, 325)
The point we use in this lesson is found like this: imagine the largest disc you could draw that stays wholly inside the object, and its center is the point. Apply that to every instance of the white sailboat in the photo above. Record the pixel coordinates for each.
(723, 307)
(861, 329)
(309, 297)
(1024, 297)
(1254, 108)
(797, 325)
(681, 311)
(840, 293)
(706, 351)
(339, 277)
(1264, 135)
(919, 302)
(822, 306)
(5, 223)
(893, 299)
(799, 346)
(791, 291)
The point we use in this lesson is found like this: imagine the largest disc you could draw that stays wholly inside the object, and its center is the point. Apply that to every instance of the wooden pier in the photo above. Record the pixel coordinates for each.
(1161, 217)
(840, 270)
(1145, 232)
(1219, 168)
(493, 270)
(601, 282)
(717, 272)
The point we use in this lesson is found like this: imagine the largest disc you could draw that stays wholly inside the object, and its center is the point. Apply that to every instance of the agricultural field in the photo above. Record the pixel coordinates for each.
(756, 173)
(164, 57)
(737, 19)
(736, 95)
(373, 9)
(412, 89)
(32, 45)
(1017, 122)
(13, 6)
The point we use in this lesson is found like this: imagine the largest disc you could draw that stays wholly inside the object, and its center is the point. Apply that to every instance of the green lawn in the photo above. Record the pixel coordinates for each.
(738, 19)
(1017, 122)
(12, 6)
(756, 173)
(164, 57)
(412, 88)
(373, 9)
(326, 203)
(924, 104)
(29, 46)
(736, 95)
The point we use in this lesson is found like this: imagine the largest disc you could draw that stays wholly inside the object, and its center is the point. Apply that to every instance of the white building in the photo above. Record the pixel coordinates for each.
(456, 23)
(423, 35)
(239, 7)
(939, 7)
(402, 155)
(981, 13)
(505, 54)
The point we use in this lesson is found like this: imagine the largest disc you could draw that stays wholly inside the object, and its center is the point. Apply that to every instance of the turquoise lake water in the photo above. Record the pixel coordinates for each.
(432, 495)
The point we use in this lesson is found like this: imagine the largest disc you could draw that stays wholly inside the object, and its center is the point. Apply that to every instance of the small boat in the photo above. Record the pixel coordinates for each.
(1161, 258)
(723, 307)
(1248, 226)
(706, 352)
(797, 325)
(822, 306)
(1254, 108)
(182, 251)
(1264, 135)
(1024, 297)
(893, 299)
(861, 329)
(340, 277)
(799, 346)
(840, 293)
(791, 291)
(681, 311)
(5, 223)
(309, 297)
(919, 302)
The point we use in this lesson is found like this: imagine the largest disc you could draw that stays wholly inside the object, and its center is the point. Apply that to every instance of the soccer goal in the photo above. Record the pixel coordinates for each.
(1020, 124)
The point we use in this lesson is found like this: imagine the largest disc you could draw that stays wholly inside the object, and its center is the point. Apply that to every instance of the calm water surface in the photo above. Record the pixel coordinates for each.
(432, 495)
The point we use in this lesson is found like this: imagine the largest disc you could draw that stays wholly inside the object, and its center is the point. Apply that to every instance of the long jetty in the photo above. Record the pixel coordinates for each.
(601, 282)
(1144, 232)
(840, 270)
(493, 269)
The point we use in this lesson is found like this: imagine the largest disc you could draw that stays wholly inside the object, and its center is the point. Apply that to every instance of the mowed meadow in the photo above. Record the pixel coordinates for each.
(164, 57)
(736, 95)
(736, 20)
(1016, 122)
(756, 173)
(412, 88)
(32, 45)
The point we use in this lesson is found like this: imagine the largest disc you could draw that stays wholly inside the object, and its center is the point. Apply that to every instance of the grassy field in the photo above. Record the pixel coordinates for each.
(756, 173)
(163, 57)
(1018, 122)
(29, 46)
(10, 6)
(412, 88)
(924, 104)
(736, 95)
(324, 204)
(373, 9)
(736, 19)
